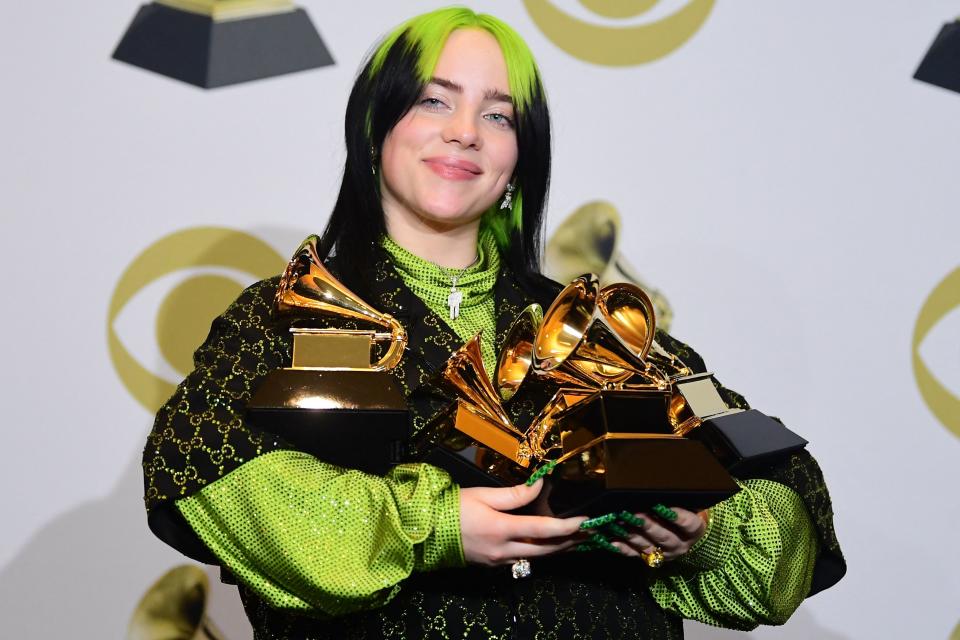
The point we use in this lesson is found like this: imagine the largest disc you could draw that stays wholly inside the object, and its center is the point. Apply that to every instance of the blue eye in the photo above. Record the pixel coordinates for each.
(500, 120)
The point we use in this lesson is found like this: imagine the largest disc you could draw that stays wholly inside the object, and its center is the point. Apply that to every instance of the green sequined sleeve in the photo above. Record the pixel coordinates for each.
(311, 537)
(753, 565)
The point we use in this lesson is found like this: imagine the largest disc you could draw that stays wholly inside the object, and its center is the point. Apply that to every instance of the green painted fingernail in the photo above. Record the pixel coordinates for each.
(665, 512)
(601, 541)
(631, 518)
(599, 521)
(617, 530)
(541, 472)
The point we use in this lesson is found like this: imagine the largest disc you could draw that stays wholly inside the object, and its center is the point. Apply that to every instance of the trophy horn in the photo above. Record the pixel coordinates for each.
(464, 373)
(515, 364)
(516, 356)
(630, 312)
(588, 242)
(308, 287)
(174, 608)
(579, 335)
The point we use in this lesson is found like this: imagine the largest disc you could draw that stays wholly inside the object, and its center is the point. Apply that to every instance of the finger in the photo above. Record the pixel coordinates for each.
(665, 512)
(542, 527)
(640, 543)
(509, 498)
(688, 524)
(659, 535)
(627, 549)
(513, 551)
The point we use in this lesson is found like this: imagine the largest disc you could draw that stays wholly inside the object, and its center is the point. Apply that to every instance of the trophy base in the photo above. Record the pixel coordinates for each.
(210, 53)
(738, 439)
(614, 411)
(746, 438)
(637, 473)
(633, 472)
(354, 419)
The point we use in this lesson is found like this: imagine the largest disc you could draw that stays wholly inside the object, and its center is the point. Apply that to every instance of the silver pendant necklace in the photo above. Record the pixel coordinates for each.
(455, 297)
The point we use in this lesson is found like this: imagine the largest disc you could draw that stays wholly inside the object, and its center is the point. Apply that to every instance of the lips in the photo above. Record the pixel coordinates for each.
(453, 168)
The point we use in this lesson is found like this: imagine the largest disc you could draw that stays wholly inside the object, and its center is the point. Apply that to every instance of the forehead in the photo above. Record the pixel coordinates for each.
(472, 58)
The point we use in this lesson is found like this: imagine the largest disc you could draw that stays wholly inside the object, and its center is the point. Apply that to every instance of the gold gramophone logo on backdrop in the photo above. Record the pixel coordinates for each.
(195, 273)
(936, 363)
(621, 45)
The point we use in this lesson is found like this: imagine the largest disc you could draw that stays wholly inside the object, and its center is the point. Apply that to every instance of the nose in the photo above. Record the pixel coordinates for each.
(462, 129)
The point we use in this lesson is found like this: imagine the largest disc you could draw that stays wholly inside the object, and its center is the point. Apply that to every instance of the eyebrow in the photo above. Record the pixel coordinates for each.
(489, 94)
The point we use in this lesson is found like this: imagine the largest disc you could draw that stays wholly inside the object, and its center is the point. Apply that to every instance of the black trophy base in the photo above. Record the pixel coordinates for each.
(353, 419)
(617, 411)
(746, 438)
(941, 65)
(637, 474)
(462, 468)
(208, 53)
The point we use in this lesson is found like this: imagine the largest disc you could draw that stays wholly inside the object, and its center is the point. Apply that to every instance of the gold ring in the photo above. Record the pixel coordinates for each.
(653, 559)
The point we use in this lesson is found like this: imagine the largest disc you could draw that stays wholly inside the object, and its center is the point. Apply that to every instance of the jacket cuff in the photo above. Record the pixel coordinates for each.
(443, 548)
(716, 544)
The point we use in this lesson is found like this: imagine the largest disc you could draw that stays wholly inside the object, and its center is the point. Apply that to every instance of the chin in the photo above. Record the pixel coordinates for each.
(450, 212)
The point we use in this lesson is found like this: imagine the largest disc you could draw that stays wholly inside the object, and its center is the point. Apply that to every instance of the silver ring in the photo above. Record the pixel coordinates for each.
(520, 569)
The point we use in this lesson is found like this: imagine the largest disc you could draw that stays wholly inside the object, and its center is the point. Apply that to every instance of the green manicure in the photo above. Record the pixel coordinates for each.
(541, 472)
(631, 518)
(599, 521)
(601, 541)
(665, 512)
(617, 530)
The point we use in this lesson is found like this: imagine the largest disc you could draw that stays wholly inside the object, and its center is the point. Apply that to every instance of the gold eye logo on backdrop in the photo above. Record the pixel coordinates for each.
(617, 46)
(936, 351)
(164, 301)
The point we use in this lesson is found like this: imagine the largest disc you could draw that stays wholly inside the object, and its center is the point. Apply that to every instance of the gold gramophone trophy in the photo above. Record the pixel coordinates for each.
(175, 608)
(608, 425)
(334, 395)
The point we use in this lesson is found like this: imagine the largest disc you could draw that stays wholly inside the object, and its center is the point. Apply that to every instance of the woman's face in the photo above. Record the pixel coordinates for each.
(451, 156)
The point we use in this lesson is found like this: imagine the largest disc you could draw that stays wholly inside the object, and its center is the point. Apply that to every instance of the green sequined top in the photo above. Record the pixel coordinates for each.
(325, 552)
(307, 536)
(431, 283)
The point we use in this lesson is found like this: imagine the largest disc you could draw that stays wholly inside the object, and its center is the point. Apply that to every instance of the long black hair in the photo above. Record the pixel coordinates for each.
(389, 84)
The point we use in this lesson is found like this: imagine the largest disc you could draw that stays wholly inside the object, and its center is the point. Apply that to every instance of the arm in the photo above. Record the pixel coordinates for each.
(304, 534)
(753, 565)
(766, 549)
(309, 536)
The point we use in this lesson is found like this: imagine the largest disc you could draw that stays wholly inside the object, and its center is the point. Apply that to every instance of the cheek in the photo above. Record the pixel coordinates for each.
(402, 147)
(505, 155)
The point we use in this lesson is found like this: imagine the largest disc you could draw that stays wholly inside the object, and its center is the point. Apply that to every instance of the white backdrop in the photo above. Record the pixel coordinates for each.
(810, 181)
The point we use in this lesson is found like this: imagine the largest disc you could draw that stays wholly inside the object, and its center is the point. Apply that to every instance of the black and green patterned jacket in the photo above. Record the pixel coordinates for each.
(199, 438)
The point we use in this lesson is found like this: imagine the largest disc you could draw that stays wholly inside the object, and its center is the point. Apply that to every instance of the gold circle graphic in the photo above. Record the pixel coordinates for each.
(619, 8)
(184, 316)
(619, 46)
(942, 402)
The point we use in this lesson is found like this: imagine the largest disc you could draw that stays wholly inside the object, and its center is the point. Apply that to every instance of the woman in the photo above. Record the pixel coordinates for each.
(448, 143)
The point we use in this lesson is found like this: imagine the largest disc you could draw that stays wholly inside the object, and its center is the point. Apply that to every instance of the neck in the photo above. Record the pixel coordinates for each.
(453, 247)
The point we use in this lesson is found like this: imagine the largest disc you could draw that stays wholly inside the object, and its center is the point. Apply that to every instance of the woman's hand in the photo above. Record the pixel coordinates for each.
(673, 537)
(492, 537)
